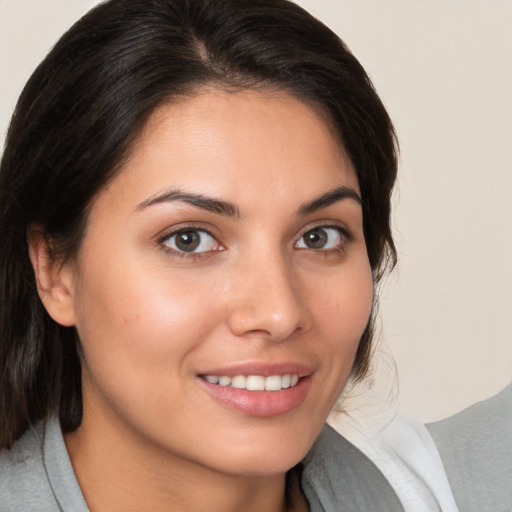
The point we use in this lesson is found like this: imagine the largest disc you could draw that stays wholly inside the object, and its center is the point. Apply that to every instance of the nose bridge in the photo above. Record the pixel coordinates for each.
(269, 301)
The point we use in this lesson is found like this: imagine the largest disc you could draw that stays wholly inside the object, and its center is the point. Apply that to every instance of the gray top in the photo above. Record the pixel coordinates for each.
(36, 475)
(476, 449)
(338, 477)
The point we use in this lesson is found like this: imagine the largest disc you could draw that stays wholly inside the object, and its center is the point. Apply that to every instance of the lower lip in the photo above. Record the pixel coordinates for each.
(260, 403)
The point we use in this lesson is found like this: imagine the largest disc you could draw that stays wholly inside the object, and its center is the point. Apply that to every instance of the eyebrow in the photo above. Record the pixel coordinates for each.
(228, 209)
(201, 201)
(331, 197)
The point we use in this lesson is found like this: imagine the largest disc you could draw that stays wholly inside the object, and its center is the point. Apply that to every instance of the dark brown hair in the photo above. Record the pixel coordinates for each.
(83, 107)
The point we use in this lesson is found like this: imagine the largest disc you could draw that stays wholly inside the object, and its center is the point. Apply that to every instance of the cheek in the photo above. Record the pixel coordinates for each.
(344, 304)
(139, 333)
(135, 321)
(342, 310)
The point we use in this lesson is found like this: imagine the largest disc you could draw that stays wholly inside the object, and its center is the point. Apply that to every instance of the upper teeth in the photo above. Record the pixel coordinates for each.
(255, 382)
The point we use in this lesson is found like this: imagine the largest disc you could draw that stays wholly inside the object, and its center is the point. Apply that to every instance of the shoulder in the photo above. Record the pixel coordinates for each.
(24, 483)
(335, 472)
(476, 449)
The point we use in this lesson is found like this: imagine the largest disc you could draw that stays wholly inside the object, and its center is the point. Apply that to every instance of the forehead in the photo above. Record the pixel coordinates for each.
(234, 145)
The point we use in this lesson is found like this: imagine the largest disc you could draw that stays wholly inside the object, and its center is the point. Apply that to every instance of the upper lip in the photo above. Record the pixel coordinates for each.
(264, 369)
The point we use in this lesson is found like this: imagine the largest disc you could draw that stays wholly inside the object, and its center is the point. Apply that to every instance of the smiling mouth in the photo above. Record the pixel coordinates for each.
(254, 382)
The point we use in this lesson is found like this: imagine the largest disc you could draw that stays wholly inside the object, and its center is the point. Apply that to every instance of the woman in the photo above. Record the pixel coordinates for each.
(194, 214)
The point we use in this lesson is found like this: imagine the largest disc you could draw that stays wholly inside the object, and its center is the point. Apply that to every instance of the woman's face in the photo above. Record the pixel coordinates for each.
(226, 258)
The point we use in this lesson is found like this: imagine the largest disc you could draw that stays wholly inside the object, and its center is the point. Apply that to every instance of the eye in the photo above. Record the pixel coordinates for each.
(321, 238)
(191, 241)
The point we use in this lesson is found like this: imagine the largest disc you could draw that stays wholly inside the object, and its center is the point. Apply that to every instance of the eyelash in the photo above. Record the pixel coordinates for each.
(344, 234)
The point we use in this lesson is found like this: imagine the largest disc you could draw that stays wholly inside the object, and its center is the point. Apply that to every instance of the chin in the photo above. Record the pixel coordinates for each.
(275, 454)
(265, 464)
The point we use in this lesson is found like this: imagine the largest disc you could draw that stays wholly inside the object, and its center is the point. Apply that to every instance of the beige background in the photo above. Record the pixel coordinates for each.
(444, 70)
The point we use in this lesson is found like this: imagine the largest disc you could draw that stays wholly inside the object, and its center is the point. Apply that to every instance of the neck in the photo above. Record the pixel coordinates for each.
(119, 471)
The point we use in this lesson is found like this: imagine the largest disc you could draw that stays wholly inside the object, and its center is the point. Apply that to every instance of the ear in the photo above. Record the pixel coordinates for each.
(55, 281)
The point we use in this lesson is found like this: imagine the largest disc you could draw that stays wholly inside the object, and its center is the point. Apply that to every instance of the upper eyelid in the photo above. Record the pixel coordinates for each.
(190, 226)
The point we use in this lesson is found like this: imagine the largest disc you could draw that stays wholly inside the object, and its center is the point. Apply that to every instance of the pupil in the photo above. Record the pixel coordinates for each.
(187, 241)
(316, 239)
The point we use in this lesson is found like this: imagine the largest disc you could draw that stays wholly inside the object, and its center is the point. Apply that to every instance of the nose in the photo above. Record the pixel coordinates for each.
(268, 301)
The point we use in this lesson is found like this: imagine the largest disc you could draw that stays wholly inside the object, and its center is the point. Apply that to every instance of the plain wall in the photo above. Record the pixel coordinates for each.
(444, 70)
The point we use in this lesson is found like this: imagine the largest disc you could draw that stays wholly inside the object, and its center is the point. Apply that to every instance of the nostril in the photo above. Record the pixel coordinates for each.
(258, 323)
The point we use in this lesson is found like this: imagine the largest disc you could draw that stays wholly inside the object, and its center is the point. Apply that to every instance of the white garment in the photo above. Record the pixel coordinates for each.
(405, 453)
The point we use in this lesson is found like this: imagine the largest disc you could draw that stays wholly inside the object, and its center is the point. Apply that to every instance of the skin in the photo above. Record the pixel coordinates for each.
(150, 320)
